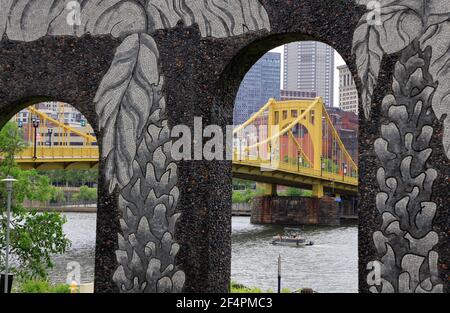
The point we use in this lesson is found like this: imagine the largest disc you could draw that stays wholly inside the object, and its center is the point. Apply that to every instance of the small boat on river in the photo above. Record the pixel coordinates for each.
(295, 241)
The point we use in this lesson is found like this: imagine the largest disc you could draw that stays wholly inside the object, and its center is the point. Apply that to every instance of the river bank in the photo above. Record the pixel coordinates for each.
(238, 209)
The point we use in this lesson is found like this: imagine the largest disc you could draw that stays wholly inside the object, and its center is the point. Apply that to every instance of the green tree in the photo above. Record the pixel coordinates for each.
(11, 143)
(42, 286)
(330, 166)
(85, 194)
(296, 192)
(242, 184)
(35, 237)
(246, 196)
(58, 195)
(72, 178)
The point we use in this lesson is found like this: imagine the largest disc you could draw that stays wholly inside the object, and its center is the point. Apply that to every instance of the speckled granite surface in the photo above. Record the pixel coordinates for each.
(197, 72)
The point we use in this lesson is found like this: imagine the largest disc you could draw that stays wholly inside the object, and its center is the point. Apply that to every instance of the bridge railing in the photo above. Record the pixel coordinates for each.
(274, 164)
(51, 154)
(296, 137)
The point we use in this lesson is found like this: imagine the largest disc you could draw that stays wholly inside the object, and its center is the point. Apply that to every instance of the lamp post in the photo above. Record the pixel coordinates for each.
(279, 273)
(322, 165)
(9, 186)
(35, 123)
(241, 144)
(344, 170)
(247, 144)
(270, 152)
(50, 132)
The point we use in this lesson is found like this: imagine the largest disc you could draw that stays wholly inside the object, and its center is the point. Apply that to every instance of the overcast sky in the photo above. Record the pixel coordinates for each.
(338, 61)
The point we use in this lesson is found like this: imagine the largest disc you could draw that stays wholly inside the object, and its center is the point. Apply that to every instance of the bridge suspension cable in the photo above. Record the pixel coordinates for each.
(300, 136)
(68, 129)
(70, 148)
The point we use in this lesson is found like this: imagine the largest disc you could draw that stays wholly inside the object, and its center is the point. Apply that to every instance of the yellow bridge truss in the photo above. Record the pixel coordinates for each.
(294, 143)
(59, 151)
(291, 143)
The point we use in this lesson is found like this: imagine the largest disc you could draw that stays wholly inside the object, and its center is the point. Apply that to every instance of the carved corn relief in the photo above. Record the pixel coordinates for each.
(420, 30)
(132, 113)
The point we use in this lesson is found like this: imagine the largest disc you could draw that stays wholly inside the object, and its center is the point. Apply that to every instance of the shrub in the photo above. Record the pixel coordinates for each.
(296, 192)
(85, 194)
(42, 286)
(239, 288)
(246, 196)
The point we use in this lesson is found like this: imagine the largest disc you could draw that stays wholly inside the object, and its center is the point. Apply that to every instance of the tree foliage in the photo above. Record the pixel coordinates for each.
(296, 192)
(85, 194)
(35, 237)
(42, 286)
(72, 178)
(246, 196)
(242, 184)
(11, 143)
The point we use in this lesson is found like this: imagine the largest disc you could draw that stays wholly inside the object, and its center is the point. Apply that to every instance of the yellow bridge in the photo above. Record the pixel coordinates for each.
(294, 143)
(63, 152)
(290, 143)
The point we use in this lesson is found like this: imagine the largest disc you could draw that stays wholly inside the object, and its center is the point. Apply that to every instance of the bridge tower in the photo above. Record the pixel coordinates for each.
(317, 190)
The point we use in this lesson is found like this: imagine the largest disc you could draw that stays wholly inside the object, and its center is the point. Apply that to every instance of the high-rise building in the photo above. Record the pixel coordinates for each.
(296, 95)
(61, 111)
(261, 83)
(348, 94)
(309, 67)
(346, 124)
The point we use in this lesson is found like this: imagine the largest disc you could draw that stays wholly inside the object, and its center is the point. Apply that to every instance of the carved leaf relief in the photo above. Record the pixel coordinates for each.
(399, 23)
(216, 18)
(123, 103)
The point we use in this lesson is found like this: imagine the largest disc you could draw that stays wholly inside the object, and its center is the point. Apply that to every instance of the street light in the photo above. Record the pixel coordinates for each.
(247, 143)
(35, 123)
(322, 167)
(9, 186)
(50, 132)
(344, 170)
(279, 273)
(270, 152)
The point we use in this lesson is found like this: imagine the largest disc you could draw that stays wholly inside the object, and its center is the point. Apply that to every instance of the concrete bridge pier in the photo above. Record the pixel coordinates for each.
(348, 207)
(269, 189)
(324, 210)
(278, 210)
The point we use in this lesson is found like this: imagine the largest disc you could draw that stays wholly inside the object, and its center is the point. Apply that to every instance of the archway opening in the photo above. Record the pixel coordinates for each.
(51, 149)
(295, 169)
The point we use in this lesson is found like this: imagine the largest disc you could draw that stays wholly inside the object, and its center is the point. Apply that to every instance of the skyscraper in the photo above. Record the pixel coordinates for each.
(348, 94)
(309, 67)
(261, 83)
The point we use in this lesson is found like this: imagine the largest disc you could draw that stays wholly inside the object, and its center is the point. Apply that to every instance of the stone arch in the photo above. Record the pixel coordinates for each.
(252, 50)
(201, 55)
(57, 71)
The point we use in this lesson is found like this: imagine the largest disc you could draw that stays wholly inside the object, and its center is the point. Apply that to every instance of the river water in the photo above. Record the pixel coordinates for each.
(330, 265)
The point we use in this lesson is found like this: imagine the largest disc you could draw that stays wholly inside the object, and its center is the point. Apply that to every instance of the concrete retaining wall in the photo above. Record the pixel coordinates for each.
(241, 209)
